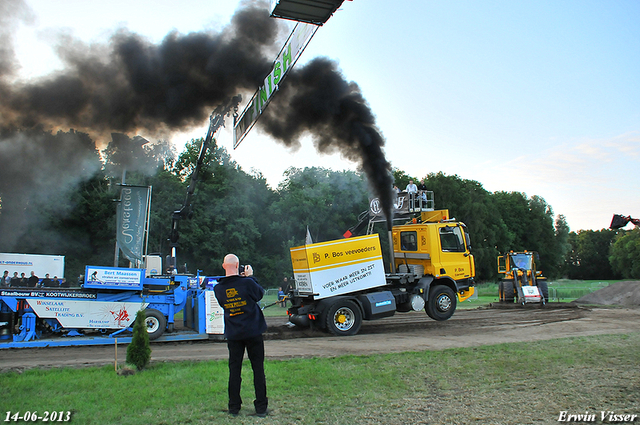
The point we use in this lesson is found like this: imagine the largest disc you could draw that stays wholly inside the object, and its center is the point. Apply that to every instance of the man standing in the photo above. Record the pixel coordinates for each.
(33, 280)
(412, 190)
(243, 327)
(422, 189)
(6, 279)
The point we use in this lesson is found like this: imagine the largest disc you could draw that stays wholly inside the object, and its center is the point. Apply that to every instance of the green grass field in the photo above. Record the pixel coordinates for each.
(500, 384)
(562, 290)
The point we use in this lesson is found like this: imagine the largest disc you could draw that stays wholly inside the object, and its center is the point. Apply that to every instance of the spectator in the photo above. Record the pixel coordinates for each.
(56, 282)
(6, 279)
(243, 327)
(412, 190)
(15, 280)
(287, 287)
(281, 299)
(46, 282)
(33, 280)
(64, 283)
(23, 280)
(422, 188)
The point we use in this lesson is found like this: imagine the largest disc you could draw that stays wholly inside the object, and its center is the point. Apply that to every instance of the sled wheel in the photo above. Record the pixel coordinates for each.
(155, 323)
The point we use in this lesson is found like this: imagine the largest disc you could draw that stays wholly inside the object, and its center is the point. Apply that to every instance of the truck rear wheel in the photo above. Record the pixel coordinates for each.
(155, 323)
(344, 318)
(441, 303)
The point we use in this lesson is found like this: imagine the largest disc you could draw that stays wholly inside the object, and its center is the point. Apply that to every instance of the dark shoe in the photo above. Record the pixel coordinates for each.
(261, 414)
(232, 414)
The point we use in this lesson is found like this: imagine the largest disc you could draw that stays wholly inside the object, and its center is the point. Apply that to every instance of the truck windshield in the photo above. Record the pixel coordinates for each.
(521, 261)
(451, 239)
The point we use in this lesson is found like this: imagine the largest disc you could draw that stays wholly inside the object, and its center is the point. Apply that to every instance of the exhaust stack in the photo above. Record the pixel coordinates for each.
(392, 261)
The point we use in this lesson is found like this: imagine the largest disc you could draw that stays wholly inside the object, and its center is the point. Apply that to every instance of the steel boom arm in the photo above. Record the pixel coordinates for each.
(216, 120)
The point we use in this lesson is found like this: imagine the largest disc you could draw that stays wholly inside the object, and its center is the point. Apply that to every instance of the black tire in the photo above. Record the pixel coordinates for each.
(441, 303)
(155, 323)
(343, 318)
(508, 292)
(544, 289)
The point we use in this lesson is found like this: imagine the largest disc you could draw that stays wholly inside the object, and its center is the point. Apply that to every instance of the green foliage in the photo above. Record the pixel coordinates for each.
(625, 254)
(401, 178)
(235, 211)
(588, 257)
(499, 222)
(139, 351)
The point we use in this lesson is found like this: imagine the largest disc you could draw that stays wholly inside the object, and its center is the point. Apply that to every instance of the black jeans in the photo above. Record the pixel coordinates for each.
(255, 350)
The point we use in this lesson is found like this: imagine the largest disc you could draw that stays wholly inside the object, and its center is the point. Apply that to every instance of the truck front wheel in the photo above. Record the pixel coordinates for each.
(344, 318)
(441, 303)
(508, 291)
(155, 323)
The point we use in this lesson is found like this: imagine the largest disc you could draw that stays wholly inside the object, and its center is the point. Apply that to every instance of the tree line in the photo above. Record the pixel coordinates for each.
(235, 211)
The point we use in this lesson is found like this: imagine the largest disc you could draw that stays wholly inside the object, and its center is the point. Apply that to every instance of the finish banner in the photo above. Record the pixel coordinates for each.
(132, 213)
(293, 48)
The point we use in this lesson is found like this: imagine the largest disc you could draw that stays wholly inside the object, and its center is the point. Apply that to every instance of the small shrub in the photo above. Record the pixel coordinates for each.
(139, 351)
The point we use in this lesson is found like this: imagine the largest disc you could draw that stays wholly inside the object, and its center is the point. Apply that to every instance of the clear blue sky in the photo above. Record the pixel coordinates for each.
(537, 97)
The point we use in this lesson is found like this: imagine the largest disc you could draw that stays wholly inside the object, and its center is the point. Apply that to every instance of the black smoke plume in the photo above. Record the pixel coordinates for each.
(128, 85)
(131, 85)
(317, 100)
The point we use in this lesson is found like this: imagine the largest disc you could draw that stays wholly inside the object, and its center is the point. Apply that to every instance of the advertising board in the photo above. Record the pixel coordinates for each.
(87, 314)
(113, 278)
(26, 263)
(214, 314)
(338, 267)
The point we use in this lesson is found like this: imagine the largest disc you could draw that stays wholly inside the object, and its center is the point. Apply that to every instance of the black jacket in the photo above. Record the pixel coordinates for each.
(239, 297)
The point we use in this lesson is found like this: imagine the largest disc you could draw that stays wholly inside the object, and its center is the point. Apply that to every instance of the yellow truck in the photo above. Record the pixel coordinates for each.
(342, 282)
(522, 282)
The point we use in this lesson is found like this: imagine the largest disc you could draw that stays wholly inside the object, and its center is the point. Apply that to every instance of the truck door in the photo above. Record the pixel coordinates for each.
(455, 260)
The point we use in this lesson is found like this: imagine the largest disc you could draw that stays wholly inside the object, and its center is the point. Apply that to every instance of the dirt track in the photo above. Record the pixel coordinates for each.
(403, 332)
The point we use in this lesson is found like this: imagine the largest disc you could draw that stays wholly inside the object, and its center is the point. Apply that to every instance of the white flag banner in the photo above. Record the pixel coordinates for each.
(308, 240)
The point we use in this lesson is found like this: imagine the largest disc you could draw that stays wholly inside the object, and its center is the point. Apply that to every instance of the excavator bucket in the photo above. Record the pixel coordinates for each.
(618, 221)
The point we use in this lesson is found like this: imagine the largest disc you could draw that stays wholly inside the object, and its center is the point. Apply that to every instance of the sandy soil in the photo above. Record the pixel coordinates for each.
(621, 293)
(403, 332)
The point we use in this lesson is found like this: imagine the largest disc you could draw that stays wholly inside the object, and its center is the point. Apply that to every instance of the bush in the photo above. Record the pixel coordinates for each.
(139, 351)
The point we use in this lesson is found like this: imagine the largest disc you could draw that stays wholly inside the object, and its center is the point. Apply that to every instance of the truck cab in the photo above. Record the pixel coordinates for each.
(437, 247)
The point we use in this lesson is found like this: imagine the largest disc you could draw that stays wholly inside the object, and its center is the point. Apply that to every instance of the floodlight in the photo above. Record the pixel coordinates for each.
(310, 11)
